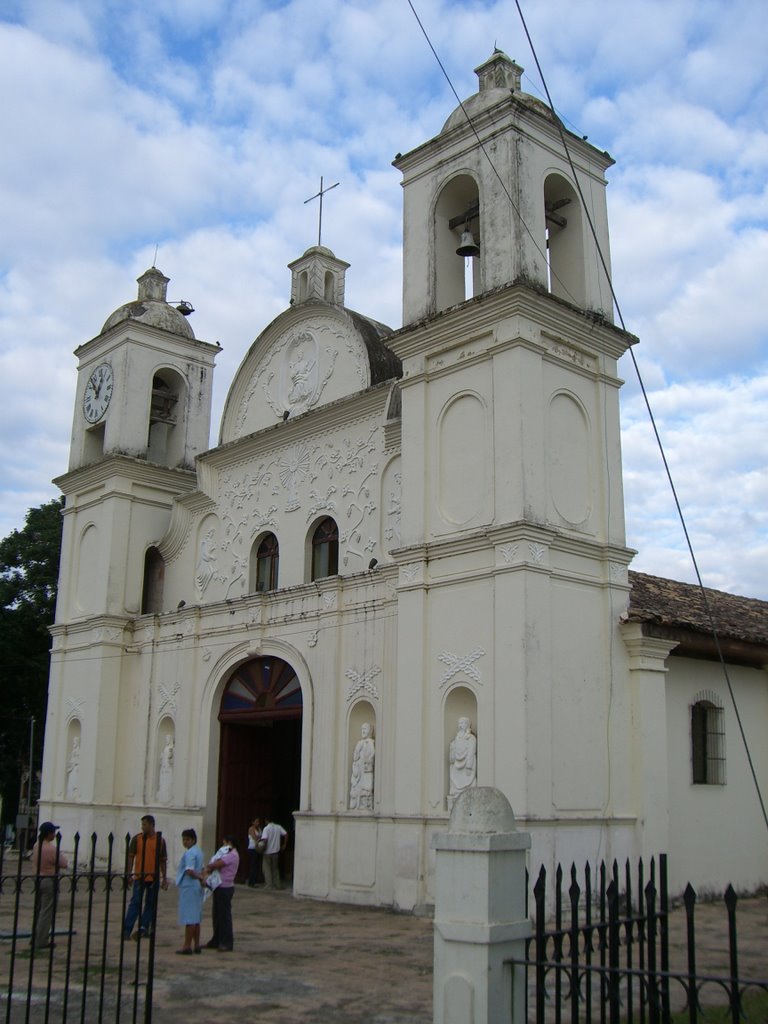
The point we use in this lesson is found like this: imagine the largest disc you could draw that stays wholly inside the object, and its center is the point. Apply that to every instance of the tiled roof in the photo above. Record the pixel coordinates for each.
(681, 606)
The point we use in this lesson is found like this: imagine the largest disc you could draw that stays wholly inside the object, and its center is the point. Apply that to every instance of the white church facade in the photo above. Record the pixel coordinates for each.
(403, 568)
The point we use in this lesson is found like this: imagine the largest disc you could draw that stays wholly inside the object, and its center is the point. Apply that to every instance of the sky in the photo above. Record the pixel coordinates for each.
(198, 128)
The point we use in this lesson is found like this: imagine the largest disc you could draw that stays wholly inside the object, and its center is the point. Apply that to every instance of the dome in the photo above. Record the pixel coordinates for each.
(151, 307)
(320, 250)
(499, 79)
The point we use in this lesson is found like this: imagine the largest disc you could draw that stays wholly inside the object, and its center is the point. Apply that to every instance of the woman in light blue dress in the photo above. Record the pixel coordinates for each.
(190, 892)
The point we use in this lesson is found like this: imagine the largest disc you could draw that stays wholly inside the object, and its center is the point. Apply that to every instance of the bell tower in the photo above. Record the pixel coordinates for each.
(512, 543)
(142, 415)
(144, 384)
(498, 170)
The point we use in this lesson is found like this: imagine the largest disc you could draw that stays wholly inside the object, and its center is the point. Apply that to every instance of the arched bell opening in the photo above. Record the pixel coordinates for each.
(457, 242)
(565, 241)
(153, 582)
(165, 437)
(260, 718)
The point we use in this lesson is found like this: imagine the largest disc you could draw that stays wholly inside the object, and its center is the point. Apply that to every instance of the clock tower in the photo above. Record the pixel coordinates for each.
(142, 415)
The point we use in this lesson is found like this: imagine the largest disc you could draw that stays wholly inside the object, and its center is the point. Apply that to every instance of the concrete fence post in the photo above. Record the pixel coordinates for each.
(480, 919)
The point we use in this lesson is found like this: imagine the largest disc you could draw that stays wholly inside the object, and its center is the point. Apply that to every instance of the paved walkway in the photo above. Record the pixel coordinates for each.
(298, 960)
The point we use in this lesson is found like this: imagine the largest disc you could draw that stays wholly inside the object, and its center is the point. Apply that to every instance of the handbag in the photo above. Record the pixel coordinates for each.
(261, 845)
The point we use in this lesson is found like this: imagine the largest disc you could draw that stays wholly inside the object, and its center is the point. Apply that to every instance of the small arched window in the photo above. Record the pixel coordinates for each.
(325, 549)
(564, 240)
(154, 578)
(707, 743)
(165, 437)
(267, 562)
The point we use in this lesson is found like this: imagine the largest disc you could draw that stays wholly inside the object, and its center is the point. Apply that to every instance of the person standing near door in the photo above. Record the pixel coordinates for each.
(255, 854)
(225, 861)
(276, 837)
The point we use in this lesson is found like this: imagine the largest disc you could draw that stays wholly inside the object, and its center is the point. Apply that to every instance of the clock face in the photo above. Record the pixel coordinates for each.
(98, 392)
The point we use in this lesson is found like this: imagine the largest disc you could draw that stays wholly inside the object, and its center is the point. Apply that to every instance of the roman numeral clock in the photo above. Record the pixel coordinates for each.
(98, 392)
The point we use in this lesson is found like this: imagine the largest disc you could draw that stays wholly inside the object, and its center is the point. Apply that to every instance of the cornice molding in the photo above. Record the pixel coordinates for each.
(128, 468)
(343, 413)
(544, 316)
(137, 333)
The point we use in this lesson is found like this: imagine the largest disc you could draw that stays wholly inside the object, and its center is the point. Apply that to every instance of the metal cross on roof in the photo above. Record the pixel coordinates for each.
(319, 195)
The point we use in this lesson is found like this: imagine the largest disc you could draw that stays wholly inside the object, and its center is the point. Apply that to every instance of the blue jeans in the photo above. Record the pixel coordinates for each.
(142, 892)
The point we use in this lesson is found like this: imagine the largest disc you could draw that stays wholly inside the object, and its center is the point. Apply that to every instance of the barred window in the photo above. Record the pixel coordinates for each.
(708, 741)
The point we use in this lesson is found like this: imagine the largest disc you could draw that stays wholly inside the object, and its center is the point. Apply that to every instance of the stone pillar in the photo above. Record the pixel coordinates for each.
(480, 919)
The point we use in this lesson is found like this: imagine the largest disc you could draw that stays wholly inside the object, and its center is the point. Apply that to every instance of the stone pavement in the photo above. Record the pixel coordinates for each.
(297, 960)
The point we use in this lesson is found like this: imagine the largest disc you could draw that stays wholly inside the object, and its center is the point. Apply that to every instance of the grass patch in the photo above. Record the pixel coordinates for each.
(754, 1010)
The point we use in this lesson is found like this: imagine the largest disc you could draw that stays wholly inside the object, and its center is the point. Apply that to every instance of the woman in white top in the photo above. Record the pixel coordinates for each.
(255, 872)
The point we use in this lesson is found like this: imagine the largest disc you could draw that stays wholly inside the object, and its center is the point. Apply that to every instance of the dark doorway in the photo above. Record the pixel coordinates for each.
(260, 752)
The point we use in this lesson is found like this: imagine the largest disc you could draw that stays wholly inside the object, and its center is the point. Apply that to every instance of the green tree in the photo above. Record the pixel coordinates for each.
(29, 572)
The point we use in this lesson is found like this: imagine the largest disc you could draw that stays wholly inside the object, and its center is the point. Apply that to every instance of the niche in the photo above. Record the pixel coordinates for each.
(361, 762)
(73, 757)
(461, 756)
(166, 746)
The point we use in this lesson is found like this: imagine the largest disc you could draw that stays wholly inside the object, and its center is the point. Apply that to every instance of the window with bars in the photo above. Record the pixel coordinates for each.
(707, 743)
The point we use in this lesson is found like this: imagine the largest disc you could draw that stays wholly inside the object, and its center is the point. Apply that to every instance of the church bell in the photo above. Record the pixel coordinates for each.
(468, 246)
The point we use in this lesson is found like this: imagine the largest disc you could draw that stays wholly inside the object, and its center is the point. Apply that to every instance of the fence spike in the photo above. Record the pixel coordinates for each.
(574, 882)
(730, 898)
(541, 882)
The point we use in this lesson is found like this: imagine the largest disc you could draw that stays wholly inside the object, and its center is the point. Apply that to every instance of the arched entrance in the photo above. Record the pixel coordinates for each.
(260, 751)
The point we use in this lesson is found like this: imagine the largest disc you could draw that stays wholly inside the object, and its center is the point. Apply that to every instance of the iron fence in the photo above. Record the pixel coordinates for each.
(87, 971)
(606, 955)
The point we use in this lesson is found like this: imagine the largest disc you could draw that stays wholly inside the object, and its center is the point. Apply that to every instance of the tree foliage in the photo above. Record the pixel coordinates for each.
(29, 571)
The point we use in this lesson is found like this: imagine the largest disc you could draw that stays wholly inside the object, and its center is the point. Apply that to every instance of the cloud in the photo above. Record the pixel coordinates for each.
(202, 126)
(715, 438)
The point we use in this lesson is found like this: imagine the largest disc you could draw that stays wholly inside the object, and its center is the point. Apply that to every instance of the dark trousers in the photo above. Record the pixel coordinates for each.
(222, 917)
(143, 892)
(255, 872)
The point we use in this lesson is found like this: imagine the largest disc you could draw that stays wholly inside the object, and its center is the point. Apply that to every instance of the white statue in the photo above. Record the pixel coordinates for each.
(166, 771)
(206, 563)
(73, 770)
(462, 760)
(300, 372)
(361, 785)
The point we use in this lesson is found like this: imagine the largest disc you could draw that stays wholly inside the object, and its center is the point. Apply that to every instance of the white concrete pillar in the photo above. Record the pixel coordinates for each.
(480, 919)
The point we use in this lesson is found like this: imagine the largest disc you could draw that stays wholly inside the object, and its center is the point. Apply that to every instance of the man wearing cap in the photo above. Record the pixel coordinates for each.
(48, 861)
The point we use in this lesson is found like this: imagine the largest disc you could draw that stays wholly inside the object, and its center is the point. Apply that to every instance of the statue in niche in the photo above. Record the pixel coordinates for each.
(361, 785)
(206, 563)
(462, 760)
(166, 772)
(73, 770)
(301, 376)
